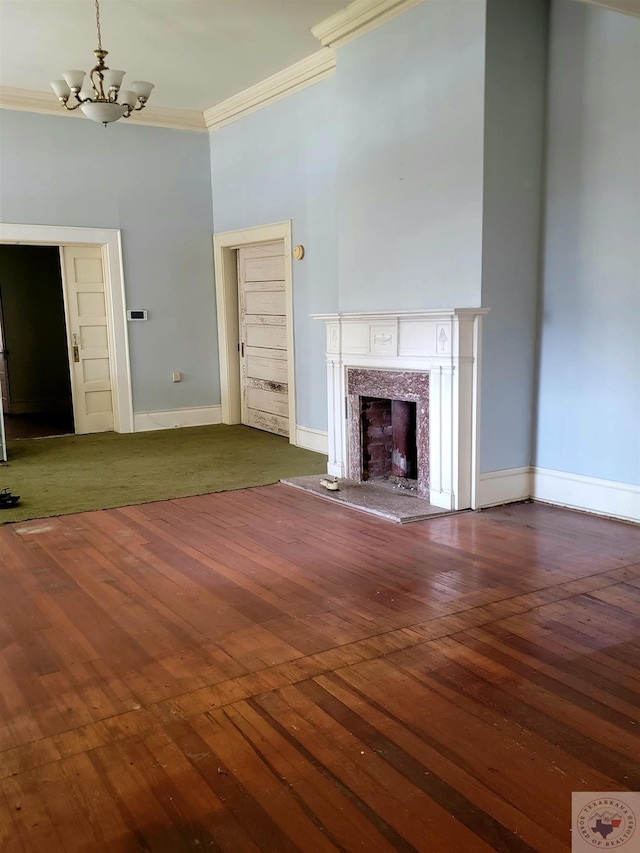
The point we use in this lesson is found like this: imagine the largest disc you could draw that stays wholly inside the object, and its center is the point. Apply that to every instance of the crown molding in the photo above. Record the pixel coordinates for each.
(359, 18)
(171, 118)
(47, 104)
(625, 7)
(304, 73)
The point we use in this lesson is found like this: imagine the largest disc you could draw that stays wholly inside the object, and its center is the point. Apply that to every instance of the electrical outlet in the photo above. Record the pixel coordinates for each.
(176, 376)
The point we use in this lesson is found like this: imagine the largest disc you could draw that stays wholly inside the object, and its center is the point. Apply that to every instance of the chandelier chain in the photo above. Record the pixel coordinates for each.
(98, 26)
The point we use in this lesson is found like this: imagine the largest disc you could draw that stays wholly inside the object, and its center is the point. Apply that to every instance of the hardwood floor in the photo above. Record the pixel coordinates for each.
(262, 671)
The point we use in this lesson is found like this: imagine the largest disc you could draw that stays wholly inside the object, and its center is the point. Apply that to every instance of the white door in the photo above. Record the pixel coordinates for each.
(88, 336)
(263, 337)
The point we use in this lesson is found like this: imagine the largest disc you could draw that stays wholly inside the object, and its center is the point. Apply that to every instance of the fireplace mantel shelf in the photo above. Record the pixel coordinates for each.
(426, 313)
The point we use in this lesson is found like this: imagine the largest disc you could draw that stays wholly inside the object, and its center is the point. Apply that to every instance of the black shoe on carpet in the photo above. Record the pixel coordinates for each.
(7, 499)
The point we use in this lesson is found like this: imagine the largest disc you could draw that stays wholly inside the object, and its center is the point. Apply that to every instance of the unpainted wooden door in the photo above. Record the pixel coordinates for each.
(263, 337)
(88, 333)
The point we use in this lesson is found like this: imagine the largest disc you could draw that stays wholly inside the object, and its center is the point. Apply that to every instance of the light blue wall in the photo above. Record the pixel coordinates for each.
(153, 184)
(380, 171)
(589, 397)
(410, 128)
(276, 164)
(516, 51)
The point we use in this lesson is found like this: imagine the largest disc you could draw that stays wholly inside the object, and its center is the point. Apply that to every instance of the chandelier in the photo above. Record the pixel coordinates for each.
(107, 102)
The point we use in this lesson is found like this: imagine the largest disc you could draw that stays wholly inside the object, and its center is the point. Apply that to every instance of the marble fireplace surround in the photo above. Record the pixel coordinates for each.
(388, 385)
(442, 345)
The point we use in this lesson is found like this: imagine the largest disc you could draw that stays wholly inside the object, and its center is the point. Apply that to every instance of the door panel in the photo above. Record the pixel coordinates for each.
(268, 302)
(266, 336)
(258, 419)
(269, 369)
(263, 336)
(264, 250)
(264, 269)
(265, 352)
(87, 324)
(268, 401)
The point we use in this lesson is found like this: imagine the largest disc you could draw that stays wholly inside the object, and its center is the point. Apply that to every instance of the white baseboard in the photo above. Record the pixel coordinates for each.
(503, 487)
(312, 439)
(168, 419)
(445, 500)
(589, 494)
(603, 497)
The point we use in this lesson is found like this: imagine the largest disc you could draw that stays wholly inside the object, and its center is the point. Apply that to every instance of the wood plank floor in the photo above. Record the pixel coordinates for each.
(262, 671)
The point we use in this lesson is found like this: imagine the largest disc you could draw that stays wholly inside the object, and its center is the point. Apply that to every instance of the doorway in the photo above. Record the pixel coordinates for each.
(280, 412)
(262, 310)
(34, 368)
(93, 277)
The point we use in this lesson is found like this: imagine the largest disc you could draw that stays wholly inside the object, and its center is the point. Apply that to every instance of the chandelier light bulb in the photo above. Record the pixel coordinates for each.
(104, 101)
(112, 79)
(74, 79)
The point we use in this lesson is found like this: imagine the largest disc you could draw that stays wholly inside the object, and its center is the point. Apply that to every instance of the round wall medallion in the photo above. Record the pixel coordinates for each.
(298, 253)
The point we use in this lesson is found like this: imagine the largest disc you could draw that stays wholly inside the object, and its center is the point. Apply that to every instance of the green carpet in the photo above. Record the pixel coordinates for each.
(73, 473)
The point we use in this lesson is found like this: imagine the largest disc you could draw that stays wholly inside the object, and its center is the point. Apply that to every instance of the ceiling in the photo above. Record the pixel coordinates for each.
(197, 52)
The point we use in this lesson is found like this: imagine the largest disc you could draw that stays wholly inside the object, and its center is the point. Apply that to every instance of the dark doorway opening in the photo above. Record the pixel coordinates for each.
(34, 363)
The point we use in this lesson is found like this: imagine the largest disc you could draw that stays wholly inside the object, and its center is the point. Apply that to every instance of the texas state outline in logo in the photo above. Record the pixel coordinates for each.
(606, 822)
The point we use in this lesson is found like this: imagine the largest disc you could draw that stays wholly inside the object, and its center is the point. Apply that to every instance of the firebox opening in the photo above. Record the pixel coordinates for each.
(389, 450)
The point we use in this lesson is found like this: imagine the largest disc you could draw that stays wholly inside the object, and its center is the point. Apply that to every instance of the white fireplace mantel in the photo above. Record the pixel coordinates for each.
(446, 344)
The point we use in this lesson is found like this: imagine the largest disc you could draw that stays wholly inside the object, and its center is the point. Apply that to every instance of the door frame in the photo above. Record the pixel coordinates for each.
(110, 242)
(5, 392)
(3, 438)
(225, 244)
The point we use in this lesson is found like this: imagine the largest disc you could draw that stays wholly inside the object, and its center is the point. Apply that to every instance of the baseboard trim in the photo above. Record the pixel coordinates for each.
(590, 494)
(445, 500)
(170, 418)
(503, 487)
(312, 439)
(575, 491)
